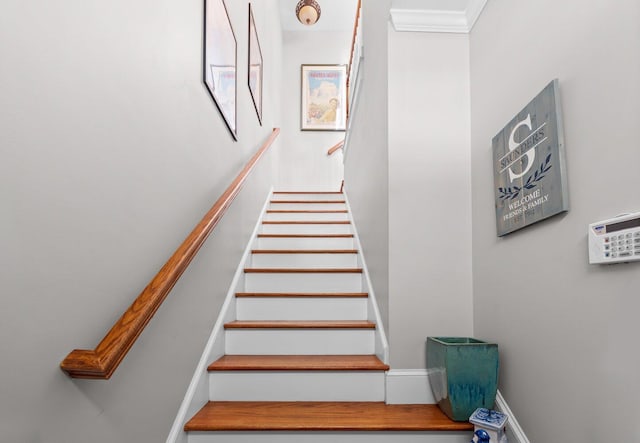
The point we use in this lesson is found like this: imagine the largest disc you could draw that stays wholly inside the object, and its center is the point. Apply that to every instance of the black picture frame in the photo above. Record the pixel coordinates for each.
(255, 68)
(220, 73)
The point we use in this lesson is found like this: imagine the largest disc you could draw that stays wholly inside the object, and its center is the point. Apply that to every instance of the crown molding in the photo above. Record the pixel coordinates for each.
(430, 20)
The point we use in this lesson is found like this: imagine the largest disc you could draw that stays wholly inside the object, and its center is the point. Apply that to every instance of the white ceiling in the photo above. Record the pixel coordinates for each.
(336, 15)
(339, 15)
(457, 16)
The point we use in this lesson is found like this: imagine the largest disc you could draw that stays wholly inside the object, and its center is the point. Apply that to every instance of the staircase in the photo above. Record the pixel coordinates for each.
(302, 353)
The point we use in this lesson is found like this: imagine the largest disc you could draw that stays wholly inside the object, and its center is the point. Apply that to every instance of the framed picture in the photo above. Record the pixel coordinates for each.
(255, 66)
(220, 67)
(324, 98)
(530, 178)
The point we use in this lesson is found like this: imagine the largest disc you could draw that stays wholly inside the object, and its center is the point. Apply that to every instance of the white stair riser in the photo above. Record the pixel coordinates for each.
(296, 386)
(303, 282)
(307, 206)
(315, 228)
(330, 437)
(304, 243)
(253, 308)
(300, 342)
(306, 216)
(327, 196)
(324, 260)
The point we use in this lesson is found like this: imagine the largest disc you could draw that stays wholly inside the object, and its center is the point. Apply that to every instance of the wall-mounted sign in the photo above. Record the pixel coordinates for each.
(529, 164)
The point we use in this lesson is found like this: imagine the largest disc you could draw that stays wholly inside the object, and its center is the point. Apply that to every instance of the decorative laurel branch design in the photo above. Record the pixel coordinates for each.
(532, 181)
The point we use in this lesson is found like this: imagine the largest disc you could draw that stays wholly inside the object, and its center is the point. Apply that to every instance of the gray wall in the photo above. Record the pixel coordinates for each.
(429, 192)
(567, 330)
(112, 151)
(366, 160)
(305, 164)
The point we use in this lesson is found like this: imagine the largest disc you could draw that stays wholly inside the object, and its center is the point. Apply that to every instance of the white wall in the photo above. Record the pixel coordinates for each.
(429, 193)
(366, 160)
(567, 330)
(304, 153)
(111, 152)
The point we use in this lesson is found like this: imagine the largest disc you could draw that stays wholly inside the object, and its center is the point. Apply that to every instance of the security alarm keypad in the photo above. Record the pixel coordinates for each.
(615, 240)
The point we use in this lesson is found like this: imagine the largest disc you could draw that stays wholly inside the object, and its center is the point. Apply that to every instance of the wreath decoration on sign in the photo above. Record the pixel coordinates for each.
(531, 182)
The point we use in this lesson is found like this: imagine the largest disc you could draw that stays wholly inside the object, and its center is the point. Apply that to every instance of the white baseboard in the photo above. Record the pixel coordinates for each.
(373, 312)
(198, 390)
(514, 431)
(411, 386)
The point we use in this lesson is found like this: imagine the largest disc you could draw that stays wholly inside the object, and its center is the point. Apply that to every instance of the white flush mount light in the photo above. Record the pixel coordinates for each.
(308, 12)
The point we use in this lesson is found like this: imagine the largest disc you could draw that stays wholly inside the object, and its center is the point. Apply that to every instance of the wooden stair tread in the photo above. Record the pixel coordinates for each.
(303, 294)
(296, 324)
(303, 271)
(305, 235)
(308, 192)
(304, 251)
(321, 416)
(298, 363)
(307, 211)
(306, 222)
(308, 201)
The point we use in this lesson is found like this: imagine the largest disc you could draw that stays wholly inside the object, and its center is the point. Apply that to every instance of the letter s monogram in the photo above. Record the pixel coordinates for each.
(531, 154)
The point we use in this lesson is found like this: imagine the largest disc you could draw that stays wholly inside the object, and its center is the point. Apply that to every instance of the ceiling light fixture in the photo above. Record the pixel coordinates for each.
(308, 12)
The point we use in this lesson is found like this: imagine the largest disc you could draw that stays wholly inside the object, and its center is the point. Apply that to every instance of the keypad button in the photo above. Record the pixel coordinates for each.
(627, 235)
(606, 239)
(614, 255)
(637, 234)
(625, 254)
(606, 254)
(607, 247)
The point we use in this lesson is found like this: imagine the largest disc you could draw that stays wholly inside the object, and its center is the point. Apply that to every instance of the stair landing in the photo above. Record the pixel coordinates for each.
(321, 416)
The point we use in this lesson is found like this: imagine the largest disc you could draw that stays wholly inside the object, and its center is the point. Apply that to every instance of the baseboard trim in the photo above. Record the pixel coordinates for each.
(411, 386)
(373, 312)
(198, 391)
(513, 427)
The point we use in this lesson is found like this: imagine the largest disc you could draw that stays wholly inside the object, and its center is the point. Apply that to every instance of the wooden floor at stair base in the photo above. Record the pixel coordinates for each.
(321, 416)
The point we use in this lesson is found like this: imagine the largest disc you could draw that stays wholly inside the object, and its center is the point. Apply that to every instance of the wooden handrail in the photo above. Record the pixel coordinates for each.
(335, 147)
(353, 48)
(355, 32)
(101, 362)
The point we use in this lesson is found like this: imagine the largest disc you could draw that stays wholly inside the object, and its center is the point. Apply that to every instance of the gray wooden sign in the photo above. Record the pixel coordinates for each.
(530, 177)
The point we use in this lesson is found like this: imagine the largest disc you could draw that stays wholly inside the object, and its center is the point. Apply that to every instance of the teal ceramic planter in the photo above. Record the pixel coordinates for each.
(463, 374)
